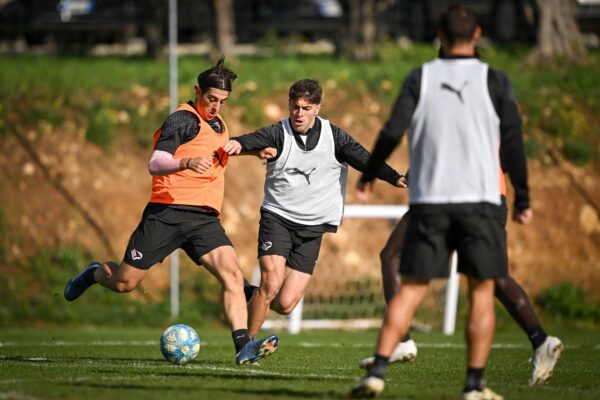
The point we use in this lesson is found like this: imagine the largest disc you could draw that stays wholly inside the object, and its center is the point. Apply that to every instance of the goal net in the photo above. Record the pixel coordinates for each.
(344, 293)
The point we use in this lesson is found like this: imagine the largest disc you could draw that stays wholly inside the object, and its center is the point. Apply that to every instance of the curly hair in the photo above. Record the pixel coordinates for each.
(308, 89)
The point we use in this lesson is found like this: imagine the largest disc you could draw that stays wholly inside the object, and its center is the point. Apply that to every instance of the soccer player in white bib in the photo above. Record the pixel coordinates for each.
(458, 132)
(304, 194)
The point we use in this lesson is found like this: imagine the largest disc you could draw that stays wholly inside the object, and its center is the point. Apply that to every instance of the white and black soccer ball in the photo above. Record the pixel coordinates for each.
(180, 344)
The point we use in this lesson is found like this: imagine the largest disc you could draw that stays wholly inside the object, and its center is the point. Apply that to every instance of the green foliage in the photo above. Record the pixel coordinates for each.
(4, 239)
(51, 113)
(567, 301)
(101, 127)
(579, 151)
(3, 105)
(36, 294)
(533, 147)
(560, 101)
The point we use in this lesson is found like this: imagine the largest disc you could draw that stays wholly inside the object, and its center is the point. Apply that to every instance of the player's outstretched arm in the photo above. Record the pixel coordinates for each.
(232, 147)
(362, 190)
(402, 181)
(523, 216)
(350, 151)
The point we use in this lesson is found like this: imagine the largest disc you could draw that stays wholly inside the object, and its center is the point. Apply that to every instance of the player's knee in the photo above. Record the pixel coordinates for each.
(125, 286)
(269, 286)
(286, 308)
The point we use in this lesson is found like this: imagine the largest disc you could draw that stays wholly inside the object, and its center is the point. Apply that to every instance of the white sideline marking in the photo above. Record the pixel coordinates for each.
(419, 345)
(16, 396)
(99, 343)
(116, 343)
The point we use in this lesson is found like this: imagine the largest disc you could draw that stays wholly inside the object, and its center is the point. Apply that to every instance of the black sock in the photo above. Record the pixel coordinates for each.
(240, 338)
(249, 290)
(406, 337)
(379, 366)
(538, 337)
(474, 380)
(89, 275)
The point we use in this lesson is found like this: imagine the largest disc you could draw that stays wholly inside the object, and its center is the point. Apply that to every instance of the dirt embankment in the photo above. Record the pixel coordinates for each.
(562, 243)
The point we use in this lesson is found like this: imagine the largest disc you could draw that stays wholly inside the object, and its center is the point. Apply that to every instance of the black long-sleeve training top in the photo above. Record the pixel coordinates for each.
(512, 153)
(347, 149)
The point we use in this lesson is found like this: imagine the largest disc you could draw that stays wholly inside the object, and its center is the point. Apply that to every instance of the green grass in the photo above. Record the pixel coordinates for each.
(125, 363)
(559, 102)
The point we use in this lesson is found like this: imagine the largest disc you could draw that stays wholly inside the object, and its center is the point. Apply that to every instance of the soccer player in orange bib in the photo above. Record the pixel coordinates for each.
(187, 167)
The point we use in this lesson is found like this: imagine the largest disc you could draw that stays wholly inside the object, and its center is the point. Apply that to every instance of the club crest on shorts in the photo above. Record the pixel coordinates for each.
(266, 245)
(136, 255)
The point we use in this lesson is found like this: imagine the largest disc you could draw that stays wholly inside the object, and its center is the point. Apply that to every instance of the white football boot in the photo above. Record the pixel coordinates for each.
(485, 394)
(404, 352)
(544, 360)
(369, 386)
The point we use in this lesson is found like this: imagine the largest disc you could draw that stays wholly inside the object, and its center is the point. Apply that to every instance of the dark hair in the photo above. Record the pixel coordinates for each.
(308, 89)
(458, 24)
(218, 77)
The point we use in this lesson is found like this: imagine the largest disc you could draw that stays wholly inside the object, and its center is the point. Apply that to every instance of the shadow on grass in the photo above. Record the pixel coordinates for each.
(303, 394)
(264, 393)
(74, 360)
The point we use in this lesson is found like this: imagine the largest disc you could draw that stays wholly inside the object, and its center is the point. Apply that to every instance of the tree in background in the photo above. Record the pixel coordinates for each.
(558, 33)
(358, 42)
(154, 17)
(225, 34)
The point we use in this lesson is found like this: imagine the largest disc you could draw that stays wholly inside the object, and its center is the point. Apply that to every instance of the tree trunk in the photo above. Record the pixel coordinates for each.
(225, 36)
(361, 28)
(558, 34)
(155, 15)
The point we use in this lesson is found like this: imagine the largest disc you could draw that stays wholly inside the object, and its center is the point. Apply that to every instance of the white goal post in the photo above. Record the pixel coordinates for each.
(295, 323)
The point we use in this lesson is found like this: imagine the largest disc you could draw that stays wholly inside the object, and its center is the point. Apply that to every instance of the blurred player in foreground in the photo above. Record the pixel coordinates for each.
(546, 349)
(461, 112)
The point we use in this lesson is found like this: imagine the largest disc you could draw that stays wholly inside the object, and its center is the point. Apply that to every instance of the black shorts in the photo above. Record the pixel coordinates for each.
(475, 231)
(503, 214)
(164, 229)
(300, 246)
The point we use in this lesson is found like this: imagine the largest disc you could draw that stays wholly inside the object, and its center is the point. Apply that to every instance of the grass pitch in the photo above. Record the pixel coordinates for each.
(123, 363)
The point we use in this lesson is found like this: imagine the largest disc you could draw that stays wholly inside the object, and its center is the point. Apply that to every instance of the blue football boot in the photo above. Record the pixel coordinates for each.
(76, 286)
(255, 350)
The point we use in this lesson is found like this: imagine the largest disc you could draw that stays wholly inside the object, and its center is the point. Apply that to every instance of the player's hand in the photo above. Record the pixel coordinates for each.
(232, 147)
(199, 164)
(267, 153)
(362, 191)
(402, 182)
(524, 216)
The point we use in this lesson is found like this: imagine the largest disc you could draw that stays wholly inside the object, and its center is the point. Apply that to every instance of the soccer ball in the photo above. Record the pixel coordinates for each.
(180, 344)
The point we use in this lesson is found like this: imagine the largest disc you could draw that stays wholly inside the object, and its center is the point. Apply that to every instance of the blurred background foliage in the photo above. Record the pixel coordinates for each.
(110, 96)
(559, 102)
